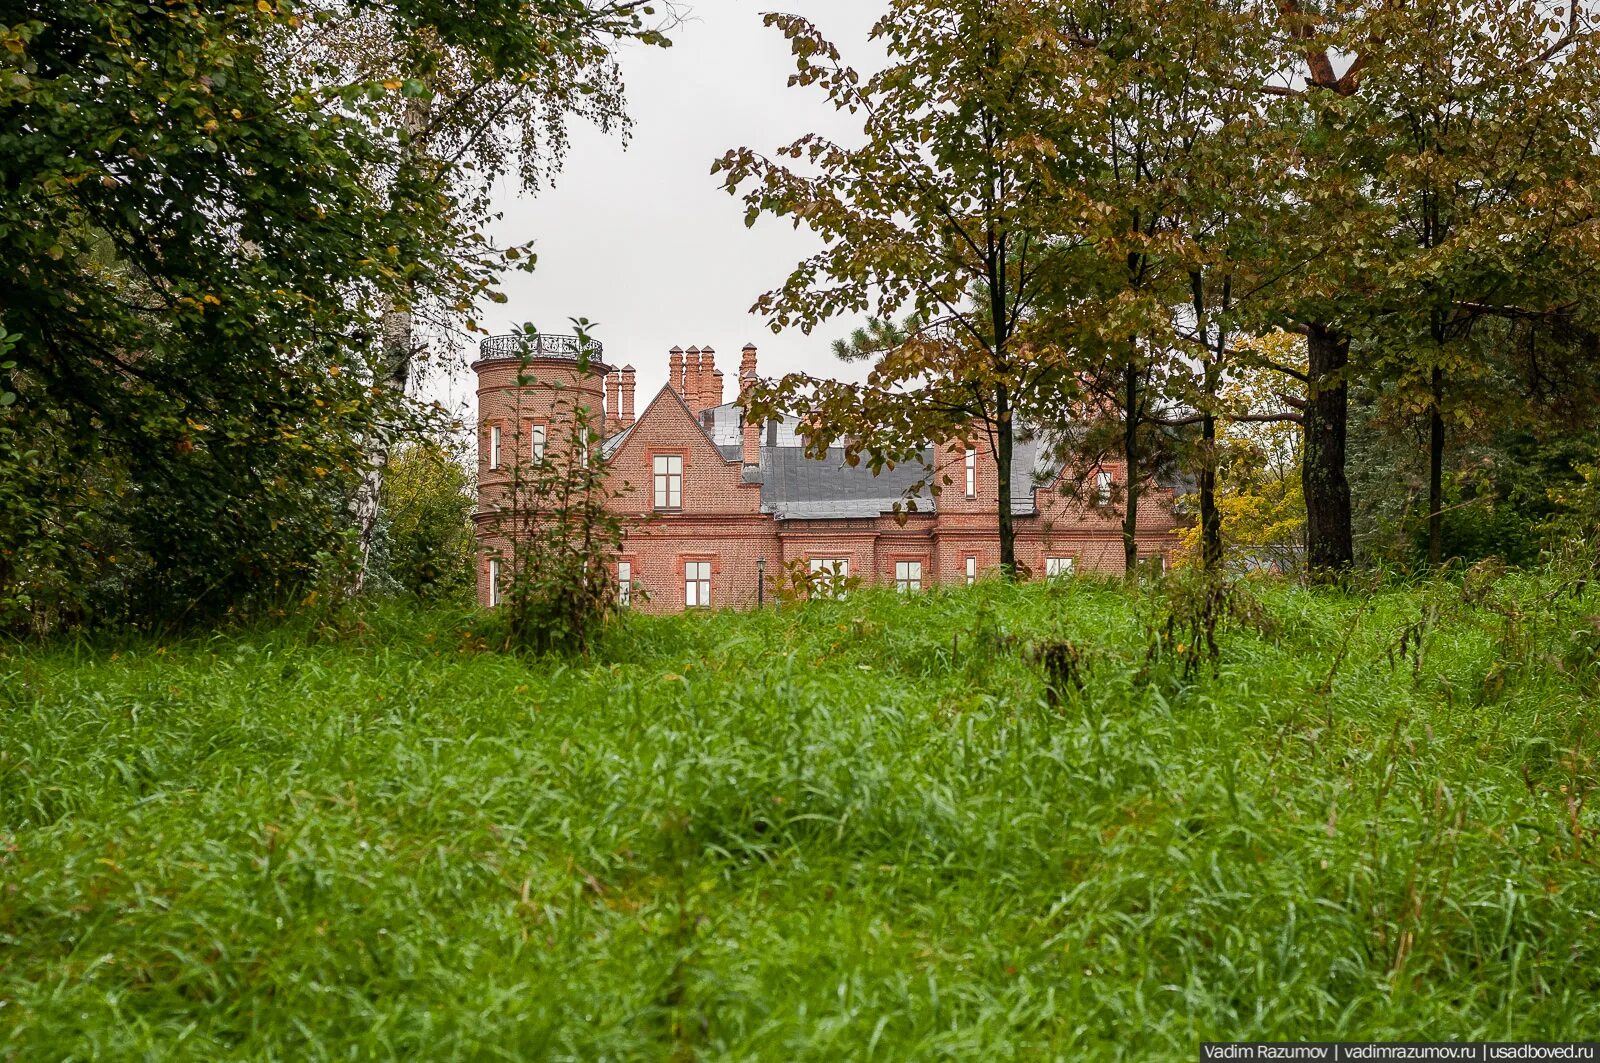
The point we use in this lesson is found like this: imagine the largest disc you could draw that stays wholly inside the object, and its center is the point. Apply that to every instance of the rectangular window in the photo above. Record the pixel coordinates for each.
(669, 481)
(536, 449)
(494, 581)
(696, 582)
(907, 576)
(583, 449)
(1102, 489)
(624, 583)
(494, 447)
(828, 574)
(972, 570)
(1154, 562)
(1057, 566)
(972, 473)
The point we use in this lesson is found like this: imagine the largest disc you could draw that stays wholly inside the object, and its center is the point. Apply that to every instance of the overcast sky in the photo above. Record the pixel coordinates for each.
(643, 241)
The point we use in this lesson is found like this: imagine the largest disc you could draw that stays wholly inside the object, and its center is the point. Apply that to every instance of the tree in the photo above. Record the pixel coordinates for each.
(959, 206)
(1363, 98)
(1260, 507)
(192, 246)
(426, 541)
(199, 252)
(477, 107)
(1167, 91)
(1471, 127)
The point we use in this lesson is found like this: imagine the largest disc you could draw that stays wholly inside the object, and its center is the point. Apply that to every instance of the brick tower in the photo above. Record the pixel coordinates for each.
(528, 390)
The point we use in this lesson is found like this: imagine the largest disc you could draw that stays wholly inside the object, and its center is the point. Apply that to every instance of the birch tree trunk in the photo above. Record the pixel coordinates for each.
(399, 351)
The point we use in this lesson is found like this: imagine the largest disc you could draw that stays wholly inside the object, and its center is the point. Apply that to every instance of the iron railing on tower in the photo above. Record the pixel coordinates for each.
(517, 346)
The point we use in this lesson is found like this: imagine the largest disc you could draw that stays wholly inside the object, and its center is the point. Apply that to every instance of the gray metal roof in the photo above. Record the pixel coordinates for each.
(794, 486)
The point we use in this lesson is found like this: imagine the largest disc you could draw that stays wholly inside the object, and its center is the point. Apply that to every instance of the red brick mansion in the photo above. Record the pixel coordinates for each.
(718, 507)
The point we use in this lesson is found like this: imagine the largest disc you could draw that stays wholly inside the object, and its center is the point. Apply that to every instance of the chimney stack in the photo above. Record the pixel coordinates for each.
(751, 441)
(613, 399)
(692, 384)
(710, 379)
(675, 370)
(625, 414)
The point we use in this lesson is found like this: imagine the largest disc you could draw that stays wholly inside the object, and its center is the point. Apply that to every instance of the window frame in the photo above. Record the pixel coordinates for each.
(907, 583)
(664, 480)
(972, 569)
(838, 570)
(494, 448)
(538, 437)
(692, 577)
(494, 583)
(972, 472)
(1065, 565)
(625, 583)
(1104, 484)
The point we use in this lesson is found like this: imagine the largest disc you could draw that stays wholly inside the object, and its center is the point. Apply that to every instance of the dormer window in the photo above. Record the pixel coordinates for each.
(668, 470)
(972, 473)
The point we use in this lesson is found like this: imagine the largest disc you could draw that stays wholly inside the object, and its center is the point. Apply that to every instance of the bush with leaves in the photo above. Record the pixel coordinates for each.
(427, 544)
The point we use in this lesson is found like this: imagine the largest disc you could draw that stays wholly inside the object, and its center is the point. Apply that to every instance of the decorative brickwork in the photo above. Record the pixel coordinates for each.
(726, 528)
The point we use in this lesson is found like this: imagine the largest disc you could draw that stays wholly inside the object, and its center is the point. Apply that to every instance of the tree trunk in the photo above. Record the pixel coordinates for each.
(1329, 550)
(1210, 515)
(1436, 471)
(394, 375)
(1130, 458)
(1005, 442)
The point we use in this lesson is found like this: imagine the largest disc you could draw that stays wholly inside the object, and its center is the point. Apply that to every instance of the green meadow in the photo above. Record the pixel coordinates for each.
(858, 829)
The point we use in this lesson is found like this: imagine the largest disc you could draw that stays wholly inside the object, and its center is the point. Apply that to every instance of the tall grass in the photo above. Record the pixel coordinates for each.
(849, 830)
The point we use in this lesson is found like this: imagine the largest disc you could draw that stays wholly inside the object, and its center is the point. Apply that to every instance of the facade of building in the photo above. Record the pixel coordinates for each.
(716, 507)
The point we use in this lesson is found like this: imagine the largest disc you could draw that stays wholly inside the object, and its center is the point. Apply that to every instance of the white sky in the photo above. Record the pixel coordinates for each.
(643, 241)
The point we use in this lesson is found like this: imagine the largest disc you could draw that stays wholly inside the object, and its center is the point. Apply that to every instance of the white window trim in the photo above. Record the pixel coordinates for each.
(836, 569)
(667, 485)
(692, 578)
(494, 582)
(536, 448)
(494, 446)
(624, 583)
(908, 576)
(972, 570)
(972, 472)
(1060, 566)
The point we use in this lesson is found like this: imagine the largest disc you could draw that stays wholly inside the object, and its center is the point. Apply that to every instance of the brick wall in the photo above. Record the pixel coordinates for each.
(719, 519)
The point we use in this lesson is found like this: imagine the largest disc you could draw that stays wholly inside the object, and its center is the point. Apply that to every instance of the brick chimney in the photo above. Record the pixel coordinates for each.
(692, 384)
(751, 441)
(613, 399)
(625, 416)
(710, 379)
(675, 370)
